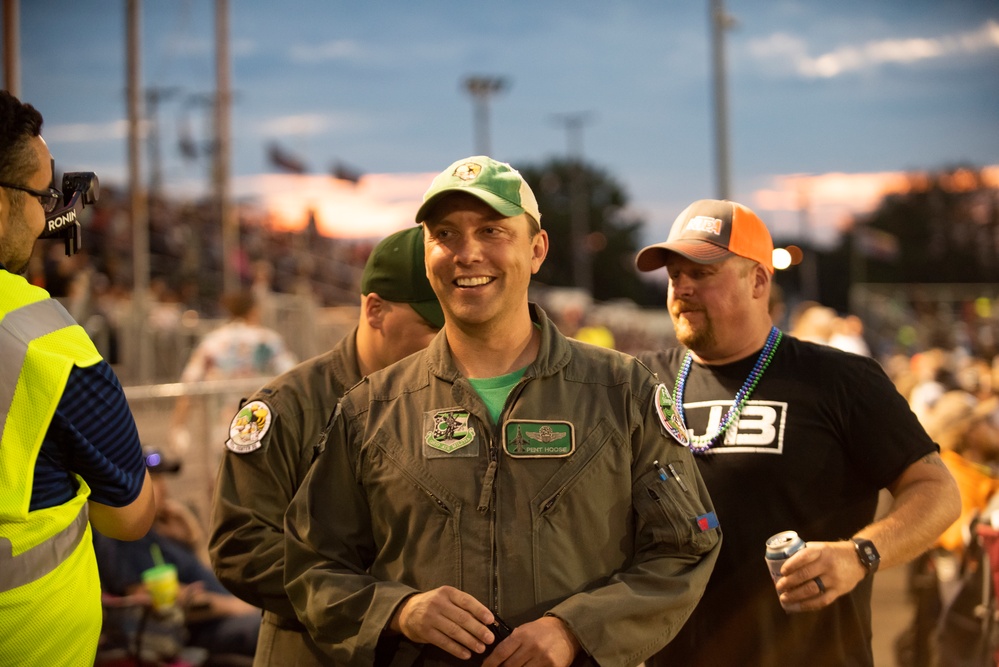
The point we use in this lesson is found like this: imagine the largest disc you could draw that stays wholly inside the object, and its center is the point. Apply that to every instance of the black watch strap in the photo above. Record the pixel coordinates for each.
(868, 554)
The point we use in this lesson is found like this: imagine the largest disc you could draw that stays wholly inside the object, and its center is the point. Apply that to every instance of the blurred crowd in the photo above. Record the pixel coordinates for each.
(949, 371)
(954, 392)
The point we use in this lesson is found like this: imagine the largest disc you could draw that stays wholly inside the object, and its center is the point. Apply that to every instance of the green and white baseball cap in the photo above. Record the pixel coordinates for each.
(496, 183)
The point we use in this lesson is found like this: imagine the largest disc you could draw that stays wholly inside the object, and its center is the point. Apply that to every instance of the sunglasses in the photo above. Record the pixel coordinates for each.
(49, 199)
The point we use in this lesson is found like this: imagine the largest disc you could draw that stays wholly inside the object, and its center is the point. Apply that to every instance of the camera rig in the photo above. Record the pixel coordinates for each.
(79, 188)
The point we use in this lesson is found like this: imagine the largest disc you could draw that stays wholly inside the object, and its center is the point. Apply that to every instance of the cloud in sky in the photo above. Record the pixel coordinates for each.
(295, 125)
(851, 58)
(337, 49)
(189, 46)
(84, 132)
(307, 124)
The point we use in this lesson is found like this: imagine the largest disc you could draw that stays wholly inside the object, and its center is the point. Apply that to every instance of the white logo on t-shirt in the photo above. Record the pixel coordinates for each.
(760, 427)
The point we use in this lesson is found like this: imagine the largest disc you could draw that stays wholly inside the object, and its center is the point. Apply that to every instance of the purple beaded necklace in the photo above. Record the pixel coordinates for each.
(702, 443)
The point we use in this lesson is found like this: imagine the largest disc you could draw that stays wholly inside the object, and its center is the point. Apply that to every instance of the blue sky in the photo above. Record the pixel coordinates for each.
(814, 87)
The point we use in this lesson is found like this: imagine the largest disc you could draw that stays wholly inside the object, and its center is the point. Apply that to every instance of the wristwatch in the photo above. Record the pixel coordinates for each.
(868, 554)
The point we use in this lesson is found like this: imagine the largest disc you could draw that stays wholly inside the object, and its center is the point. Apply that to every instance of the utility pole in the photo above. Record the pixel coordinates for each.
(223, 148)
(11, 47)
(138, 206)
(482, 88)
(809, 264)
(153, 98)
(720, 22)
(582, 266)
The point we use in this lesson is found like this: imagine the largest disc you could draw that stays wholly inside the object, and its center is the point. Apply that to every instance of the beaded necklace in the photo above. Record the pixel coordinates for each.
(702, 443)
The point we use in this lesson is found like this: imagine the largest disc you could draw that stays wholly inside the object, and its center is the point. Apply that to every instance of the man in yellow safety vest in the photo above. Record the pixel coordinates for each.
(69, 449)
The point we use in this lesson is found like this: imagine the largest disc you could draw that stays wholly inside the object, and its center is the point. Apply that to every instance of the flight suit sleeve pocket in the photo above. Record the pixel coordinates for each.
(667, 504)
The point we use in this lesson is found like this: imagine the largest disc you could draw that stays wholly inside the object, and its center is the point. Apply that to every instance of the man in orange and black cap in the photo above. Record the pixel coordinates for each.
(273, 435)
(788, 435)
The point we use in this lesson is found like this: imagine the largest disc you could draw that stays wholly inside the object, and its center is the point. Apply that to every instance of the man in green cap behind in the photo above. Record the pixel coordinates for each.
(505, 472)
(273, 435)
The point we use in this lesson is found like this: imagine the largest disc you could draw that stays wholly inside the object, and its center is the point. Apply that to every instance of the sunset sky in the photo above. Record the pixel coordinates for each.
(852, 92)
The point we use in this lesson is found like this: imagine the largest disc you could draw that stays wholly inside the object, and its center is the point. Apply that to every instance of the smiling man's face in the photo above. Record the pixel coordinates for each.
(480, 263)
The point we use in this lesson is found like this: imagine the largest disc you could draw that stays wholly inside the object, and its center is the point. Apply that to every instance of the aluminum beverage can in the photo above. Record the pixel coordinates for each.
(780, 547)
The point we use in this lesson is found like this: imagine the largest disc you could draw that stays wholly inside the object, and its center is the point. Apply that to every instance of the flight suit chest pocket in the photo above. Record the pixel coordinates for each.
(669, 505)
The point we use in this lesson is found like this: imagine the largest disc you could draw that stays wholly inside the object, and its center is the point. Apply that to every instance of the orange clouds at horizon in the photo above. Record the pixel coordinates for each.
(375, 206)
(835, 199)
(379, 204)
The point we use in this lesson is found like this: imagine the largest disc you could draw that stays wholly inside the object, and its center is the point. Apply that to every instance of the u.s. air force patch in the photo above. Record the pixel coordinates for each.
(448, 431)
(249, 427)
(538, 439)
(668, 416)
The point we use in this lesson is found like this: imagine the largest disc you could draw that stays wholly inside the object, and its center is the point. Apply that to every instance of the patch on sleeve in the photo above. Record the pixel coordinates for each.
(668, 416)
(249, 427)
(706, 522)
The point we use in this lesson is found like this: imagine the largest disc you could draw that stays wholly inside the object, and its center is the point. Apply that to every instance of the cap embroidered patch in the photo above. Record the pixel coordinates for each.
(448, 430)
(538, 439)
(704, 223)
(706, 522)
(249, 427)
(468, 171)
(668, 417)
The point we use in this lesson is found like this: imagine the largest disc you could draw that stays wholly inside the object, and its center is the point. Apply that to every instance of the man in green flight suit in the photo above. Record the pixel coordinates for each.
(425, 518)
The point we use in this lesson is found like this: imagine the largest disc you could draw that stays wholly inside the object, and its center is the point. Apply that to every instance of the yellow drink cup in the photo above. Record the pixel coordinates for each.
(161, 582)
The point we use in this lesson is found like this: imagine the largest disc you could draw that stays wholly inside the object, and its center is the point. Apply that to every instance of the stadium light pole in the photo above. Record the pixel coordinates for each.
(221, 170)
(12, 47)
(482, 88)
(142, 353)
(720, 21)
(154, 96)
(579, 223)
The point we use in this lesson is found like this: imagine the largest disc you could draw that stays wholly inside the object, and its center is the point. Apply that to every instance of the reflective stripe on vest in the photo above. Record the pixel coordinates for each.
(41, 559)
(24, 325)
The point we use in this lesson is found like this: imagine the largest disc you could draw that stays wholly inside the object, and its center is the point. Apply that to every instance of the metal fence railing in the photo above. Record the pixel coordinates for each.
(212, 405)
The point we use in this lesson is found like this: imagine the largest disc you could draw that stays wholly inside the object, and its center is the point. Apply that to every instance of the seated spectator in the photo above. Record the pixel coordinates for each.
(240, 348)
(933, 379)
(811, 321)
(215, 619)
(848, 335)
(969, 447)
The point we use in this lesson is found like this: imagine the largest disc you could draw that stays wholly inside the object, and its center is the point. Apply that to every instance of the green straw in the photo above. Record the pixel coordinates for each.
(157, 554)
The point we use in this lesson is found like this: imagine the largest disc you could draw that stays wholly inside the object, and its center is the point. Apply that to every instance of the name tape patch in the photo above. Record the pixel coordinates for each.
(538, 439)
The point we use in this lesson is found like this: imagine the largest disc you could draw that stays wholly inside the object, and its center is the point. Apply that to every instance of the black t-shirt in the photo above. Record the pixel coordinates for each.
(821, 434)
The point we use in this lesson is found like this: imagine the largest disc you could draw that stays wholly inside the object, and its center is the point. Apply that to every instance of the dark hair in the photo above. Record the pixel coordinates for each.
(19, 122)
(238, 303)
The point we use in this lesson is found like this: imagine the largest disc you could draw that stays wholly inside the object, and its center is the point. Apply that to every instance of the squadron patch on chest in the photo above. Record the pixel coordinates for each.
(668, 416)
(447, 430)
(538, 439)
(249, 427)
